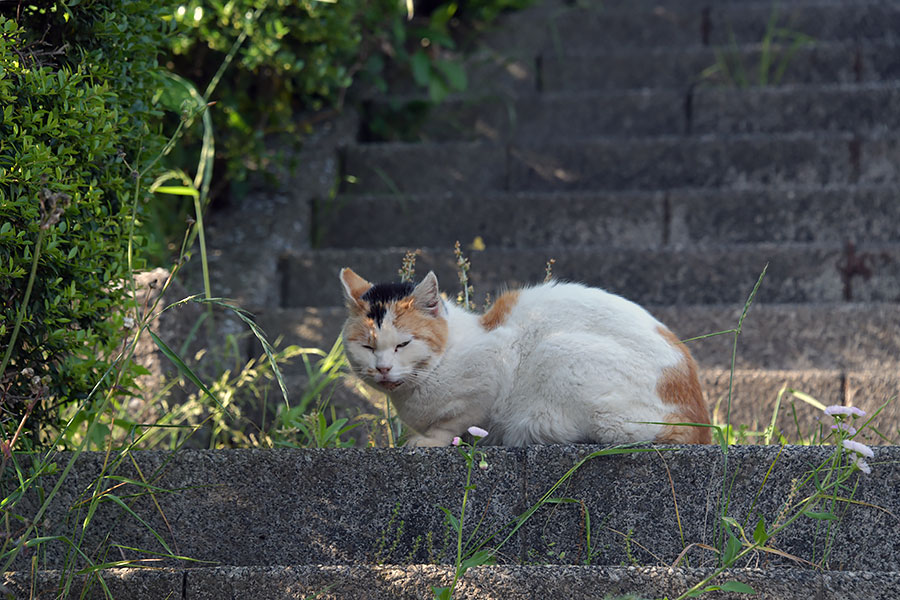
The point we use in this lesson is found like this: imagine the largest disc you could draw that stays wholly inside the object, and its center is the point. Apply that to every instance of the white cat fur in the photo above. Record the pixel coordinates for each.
(568, 363)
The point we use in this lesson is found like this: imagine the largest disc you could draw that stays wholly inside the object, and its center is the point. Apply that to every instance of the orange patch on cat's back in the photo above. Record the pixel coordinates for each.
(431, 329)
(679, 386)
(499, 311)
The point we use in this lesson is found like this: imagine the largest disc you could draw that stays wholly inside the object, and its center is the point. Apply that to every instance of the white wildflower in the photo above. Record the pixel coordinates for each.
(858, 448)
(477, 432)
(862, 465)
(844, 410)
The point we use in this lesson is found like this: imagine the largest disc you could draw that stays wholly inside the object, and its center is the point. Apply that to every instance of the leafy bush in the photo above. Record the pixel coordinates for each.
(75, 89)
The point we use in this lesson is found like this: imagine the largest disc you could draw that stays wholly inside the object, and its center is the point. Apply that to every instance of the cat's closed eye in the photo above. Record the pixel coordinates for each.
(367, 347)
(404, 344)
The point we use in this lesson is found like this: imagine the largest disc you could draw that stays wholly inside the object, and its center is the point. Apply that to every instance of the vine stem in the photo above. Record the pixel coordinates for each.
(20, 315)
(462, 519)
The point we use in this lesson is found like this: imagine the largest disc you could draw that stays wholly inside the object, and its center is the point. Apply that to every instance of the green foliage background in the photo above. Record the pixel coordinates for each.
(75, 92)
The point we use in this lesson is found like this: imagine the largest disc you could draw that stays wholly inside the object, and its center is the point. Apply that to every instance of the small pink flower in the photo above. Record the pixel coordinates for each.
(858, 448)
(477, 432)
(844, 410)
(482, 464)
(456, 441)
(862, 465)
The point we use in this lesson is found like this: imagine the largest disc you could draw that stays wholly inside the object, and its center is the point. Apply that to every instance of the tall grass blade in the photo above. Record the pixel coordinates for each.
(184, 369)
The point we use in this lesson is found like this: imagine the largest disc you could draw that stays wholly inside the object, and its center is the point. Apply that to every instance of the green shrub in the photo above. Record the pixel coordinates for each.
(75, 89)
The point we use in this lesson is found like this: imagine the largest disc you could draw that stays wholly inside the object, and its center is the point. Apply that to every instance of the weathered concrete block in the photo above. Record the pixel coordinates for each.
(672, 162)
(860, 108)
(834, 214)
(574, 115)
(810, 539)
(639, 521)
(749, 22)
(278, 507)
(525, 583)
(502, 220)
(362, 582)
(419, 168)
(537, 117)
(553, 582)
(879, 160)
(792, 336)
(822, 62)
(587, 27)
(123, 584)
(264, 507)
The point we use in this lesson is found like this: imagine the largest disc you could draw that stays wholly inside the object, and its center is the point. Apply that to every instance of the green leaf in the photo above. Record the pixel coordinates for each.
(737, 586)
(421, 68)
(454, 73)
(482, 557)
(732, 547)
(177, 190)
(453, 521)
(442, 593)
(822, 516)
(437, 89)
(760, 536)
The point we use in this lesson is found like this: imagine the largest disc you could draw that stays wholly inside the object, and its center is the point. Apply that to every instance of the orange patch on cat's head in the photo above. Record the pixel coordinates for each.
(680, 387)
(499, 311)
(359, 328)
(409, 316)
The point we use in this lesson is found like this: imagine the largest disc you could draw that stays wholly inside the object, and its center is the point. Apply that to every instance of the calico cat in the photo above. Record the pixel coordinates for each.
(554, 363)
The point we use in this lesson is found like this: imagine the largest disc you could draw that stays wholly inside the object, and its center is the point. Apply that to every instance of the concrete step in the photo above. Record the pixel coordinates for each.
(593, 26)
(414, 582)
(864, 108)
(838, 354)
(651, 163)
(834, 214)
(264, 508)
(682, 68)
(669, 275)
(504, 59)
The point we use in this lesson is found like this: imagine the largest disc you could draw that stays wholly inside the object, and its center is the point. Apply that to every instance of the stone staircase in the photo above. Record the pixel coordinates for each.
(643, 147)
(620, 139)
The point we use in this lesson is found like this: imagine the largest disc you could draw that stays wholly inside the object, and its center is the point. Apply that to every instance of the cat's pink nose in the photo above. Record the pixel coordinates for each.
(383, 370)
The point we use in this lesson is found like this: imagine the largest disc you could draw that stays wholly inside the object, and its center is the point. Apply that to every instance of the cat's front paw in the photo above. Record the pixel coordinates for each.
(428, 441)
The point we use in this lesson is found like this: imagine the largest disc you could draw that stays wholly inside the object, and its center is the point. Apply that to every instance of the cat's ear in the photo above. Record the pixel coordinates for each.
(354, 288)
(427, 296)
